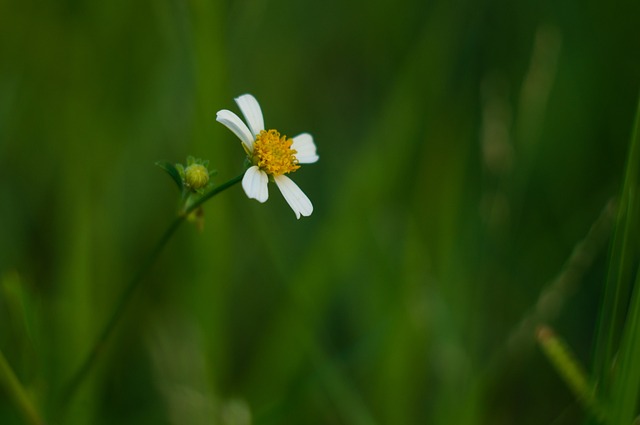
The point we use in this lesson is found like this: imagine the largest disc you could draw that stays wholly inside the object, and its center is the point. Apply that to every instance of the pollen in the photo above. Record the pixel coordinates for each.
(272, 153)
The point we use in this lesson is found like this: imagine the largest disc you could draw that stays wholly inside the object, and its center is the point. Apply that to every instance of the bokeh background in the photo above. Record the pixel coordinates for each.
(470, 155)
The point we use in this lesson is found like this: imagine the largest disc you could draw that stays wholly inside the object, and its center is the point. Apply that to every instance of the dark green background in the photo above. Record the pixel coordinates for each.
(466, 148)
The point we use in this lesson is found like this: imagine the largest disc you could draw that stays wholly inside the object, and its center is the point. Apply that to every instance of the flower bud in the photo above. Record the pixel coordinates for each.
(196, 176)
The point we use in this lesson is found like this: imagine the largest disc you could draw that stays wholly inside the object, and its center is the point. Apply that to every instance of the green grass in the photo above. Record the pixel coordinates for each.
(617, 350)
(469, 155)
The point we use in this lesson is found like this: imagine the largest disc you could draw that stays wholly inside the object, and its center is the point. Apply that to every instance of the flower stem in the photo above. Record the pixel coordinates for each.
(213, 192)
(131, 287)
(17, 393)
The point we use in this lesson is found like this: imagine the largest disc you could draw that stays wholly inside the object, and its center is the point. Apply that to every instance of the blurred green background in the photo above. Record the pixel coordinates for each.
(469, 152)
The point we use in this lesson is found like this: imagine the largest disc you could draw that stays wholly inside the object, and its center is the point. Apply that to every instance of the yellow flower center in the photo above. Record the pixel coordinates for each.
(272, 153)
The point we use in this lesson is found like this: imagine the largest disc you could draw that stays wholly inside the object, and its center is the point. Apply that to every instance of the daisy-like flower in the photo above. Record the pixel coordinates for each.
(272, 155)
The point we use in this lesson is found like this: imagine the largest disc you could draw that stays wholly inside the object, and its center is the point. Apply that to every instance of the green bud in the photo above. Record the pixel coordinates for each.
(196, 176)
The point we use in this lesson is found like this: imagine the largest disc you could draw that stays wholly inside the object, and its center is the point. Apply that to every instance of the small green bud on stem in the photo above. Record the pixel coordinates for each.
(196, 176)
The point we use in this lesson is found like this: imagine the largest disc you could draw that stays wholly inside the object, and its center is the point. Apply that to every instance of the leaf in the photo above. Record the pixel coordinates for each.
(626, 386)
(172, 171)
(623, 257)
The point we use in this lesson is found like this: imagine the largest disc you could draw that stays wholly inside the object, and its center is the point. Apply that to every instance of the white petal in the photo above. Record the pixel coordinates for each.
(252, 113)
(306, 149)
(254, 184)
(235, 124)
(297, 200)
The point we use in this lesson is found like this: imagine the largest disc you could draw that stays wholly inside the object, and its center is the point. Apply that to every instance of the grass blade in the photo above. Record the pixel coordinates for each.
(626, 387)
(624, 250)
(18, 394)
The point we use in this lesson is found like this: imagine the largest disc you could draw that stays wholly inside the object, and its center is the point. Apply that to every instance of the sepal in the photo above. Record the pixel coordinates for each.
(174, 172)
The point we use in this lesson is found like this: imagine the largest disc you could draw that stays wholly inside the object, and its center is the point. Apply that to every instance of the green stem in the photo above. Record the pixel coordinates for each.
(131, 287)
(213, 192)
(16, 391)
(570, 370)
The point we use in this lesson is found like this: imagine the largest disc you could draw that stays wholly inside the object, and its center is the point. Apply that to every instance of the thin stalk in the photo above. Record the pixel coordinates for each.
(213, 192)
(18, 394)
(131, 287)
(570, 370)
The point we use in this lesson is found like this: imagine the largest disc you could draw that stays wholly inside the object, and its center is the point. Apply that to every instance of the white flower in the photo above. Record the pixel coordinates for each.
(272, 155)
